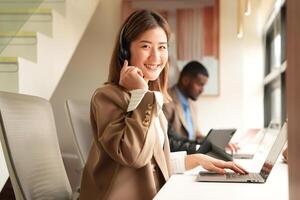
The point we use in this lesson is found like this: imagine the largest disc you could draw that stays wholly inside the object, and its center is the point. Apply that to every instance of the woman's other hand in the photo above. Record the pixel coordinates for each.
(211, 164)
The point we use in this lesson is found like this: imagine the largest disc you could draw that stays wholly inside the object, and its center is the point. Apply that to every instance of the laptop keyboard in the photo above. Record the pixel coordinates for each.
(254, 177)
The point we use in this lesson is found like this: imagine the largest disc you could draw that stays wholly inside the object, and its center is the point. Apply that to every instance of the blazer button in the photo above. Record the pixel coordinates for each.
(148, 112)
(147, 118)
(146, 122)
(149, 106)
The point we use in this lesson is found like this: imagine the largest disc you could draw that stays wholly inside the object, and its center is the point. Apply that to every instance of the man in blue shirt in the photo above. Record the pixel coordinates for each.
(181, 113)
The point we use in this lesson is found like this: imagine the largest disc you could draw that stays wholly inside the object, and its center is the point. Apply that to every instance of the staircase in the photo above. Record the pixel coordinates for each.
(37, 41)
(20, 21)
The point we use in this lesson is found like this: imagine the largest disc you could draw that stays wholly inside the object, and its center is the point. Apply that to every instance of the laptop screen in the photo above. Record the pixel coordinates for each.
(220, 137)
(274, 152)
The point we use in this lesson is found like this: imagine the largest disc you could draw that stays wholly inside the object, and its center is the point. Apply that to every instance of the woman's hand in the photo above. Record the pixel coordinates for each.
(211, 164)
(131, 77)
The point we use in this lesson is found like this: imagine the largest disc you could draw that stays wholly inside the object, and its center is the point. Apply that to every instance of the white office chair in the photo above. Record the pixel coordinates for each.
(29, 140)
(79, 117)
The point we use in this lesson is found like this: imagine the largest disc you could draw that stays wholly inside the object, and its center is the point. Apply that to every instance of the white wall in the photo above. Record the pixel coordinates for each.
(253, 64)
(87, 70)
(54, 52)
(240, 103)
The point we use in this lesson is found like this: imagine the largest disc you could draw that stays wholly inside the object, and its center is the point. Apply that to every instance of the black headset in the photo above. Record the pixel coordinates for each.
(124, 53)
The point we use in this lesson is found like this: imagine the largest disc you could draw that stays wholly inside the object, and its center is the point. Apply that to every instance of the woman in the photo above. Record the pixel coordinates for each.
(130, 157)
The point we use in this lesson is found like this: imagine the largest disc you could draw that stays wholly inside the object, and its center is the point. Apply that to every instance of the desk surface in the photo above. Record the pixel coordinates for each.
(185, 187)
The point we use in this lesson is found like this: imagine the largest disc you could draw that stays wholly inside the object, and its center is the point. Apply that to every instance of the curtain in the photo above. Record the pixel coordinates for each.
(197, 33)
(189, 34)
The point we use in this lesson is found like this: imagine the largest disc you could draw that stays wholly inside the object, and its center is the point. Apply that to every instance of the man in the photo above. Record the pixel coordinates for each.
(181, 113)
(178, 143)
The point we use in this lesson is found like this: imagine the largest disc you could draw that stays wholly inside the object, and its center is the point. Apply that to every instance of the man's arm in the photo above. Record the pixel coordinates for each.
(178, 143)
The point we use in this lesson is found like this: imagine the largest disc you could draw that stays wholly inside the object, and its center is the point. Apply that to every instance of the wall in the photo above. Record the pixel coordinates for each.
(87, 70)
(240, 102)
(54, 52)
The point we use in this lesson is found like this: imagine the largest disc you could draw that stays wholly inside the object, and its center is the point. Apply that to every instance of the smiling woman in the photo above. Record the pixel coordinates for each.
(130, 157)
(195, 35)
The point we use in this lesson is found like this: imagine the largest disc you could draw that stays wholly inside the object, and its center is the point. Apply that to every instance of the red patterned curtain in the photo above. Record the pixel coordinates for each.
(197, 33)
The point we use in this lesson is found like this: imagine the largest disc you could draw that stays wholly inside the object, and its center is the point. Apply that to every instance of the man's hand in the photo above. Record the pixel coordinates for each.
(211, 164)
(232, 148)
(199, 137)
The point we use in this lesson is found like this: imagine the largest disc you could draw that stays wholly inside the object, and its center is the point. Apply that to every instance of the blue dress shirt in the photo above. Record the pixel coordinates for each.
(187, 113)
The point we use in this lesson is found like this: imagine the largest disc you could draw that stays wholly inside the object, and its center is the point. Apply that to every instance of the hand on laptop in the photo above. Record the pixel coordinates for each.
(232, 148)
(211, 164)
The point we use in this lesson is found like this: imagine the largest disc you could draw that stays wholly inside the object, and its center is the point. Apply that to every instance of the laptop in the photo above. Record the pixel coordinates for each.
(219, 139)
(260, 177)
(253, 139)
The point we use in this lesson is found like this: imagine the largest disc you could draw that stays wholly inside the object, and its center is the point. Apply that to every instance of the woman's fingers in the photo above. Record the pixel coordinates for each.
(229, 165)
(126, 70)
(125, 64)
(235, 167)
(214, 168)
(139, 71)
(124, 67)
(240, 168)
(212, 164)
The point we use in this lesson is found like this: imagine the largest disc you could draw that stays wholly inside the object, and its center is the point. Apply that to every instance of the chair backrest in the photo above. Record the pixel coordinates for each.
(29, 140)
(79, 117)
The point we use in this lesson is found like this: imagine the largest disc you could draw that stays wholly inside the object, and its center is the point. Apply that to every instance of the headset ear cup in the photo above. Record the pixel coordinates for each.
(126, 54)
(123, 52)
(123, 55)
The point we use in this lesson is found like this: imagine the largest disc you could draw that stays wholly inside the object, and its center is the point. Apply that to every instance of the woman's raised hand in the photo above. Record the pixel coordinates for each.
(131, 77)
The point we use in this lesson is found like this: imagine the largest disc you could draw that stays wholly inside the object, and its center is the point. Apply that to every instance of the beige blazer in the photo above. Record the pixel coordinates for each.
(126, 160)
(175, 115)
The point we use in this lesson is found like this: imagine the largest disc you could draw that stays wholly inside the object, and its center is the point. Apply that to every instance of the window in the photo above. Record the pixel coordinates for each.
(275, 67)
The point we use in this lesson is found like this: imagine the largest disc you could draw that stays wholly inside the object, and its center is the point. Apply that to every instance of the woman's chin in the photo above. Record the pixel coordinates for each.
(151, 78)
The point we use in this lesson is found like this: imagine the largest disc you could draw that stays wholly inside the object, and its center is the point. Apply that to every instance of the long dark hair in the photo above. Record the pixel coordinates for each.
(136, 24)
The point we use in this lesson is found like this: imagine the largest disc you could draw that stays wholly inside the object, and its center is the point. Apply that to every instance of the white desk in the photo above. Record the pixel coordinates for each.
(184, 187)
(181, 187)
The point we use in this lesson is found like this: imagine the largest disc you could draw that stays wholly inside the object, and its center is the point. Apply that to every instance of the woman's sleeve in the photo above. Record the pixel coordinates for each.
(177, 161)
(124, 135)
